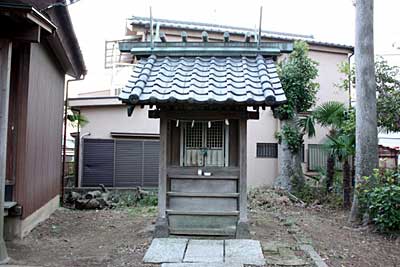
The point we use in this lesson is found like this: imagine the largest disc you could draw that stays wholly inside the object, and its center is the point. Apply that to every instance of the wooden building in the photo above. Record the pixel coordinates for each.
(388, 157)
(38, 49)
(201, 92)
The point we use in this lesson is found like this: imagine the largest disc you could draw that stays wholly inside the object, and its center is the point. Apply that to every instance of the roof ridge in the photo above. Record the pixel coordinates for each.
(205, 24)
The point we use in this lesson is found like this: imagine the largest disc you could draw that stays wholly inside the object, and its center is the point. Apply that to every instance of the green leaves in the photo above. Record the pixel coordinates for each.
(388, 92)
(379, 195)
(297, 75)
(330, 114)
(293, 137)
(385, 207)
(307, 125)
(76, 119)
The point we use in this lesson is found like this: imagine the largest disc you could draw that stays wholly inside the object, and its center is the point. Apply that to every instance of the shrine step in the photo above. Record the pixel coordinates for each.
(201, 194)
(202, 222)
(203, 203)
(229, 231)
(203, 177)
(198, 185)
(203, 213)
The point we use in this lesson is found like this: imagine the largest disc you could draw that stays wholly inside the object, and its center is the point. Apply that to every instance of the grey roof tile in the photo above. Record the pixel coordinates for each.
(245, 80)
(234, 30)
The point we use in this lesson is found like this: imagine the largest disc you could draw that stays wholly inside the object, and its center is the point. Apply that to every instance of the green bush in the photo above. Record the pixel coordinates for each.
(149, 200)
(379, 196)
(384, 207)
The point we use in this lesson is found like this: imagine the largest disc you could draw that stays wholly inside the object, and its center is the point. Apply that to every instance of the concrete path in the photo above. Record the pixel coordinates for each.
(172, 252)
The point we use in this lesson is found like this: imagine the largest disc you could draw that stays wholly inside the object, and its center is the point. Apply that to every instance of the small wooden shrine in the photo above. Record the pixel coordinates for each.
(202, 93)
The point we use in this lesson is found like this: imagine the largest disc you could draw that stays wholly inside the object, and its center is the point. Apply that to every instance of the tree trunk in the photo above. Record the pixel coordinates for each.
(291, 177)
(366, 121)
(330, 172)
(346, 184)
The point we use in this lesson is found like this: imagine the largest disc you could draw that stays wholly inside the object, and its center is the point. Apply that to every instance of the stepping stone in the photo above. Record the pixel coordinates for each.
(214, 264)
(319, 262)
(204, 251)
(243, 251)
(166, 250)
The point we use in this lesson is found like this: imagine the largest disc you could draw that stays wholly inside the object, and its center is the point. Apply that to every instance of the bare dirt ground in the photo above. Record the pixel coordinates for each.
(87, 238)
(121, 237)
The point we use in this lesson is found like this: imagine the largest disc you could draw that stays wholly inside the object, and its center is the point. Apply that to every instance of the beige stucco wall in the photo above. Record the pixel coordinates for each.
(106, 119)
(261, 171)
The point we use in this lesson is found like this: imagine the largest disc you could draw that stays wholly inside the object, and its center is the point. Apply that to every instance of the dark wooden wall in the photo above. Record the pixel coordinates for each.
(39, 131)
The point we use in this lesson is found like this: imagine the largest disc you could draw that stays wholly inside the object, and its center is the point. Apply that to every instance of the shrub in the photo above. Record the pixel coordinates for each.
(149, 200)
(384, 207)
(379, 196)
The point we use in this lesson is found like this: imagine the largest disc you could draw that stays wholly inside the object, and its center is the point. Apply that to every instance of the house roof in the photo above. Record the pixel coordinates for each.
(63, 41)
(204, 79)
(136, 20)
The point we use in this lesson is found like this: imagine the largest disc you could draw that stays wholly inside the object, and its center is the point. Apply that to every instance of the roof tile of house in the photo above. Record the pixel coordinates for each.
(234, 30)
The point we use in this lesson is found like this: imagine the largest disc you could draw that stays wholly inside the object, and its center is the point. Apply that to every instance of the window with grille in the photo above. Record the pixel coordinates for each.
(215, 135)
(194, 135)
(267, 150)
(203, 144)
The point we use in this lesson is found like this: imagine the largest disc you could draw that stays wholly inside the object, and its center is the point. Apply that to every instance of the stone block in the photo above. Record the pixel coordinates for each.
(201, 265)
(204, 251)
(244, 251)
(166, 250)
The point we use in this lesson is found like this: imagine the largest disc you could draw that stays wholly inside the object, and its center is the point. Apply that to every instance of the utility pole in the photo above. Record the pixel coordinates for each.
(5, 70)
(366, 118)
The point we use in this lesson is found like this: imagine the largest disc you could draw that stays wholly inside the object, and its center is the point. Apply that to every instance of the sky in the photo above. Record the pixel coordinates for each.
(96, 21)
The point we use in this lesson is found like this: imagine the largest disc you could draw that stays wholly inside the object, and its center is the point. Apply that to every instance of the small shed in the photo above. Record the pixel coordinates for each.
(203, 93)
(388, 157)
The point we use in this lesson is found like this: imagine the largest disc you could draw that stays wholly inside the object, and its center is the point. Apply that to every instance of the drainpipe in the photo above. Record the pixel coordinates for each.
(65, 136)
(5, 63)
(76, 153)
(81, 157)
(349, 77)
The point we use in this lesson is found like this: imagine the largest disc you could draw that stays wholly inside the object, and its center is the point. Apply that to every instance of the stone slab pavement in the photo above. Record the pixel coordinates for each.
(166, 250)
(204, 253)
(244, 251)
(214, 264)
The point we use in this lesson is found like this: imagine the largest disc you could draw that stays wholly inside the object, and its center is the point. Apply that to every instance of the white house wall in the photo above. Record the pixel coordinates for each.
(262, 171)
(107, 119)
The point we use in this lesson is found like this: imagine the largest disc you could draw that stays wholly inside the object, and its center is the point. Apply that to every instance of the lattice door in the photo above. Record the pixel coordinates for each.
(203, 145)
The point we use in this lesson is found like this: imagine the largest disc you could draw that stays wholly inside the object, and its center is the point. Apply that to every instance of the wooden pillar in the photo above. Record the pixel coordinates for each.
(243, 169)
(5, 71)
(162, 179)
(161, 228)
(242, 230)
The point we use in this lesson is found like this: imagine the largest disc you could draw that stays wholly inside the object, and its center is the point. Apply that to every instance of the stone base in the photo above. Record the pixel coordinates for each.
(17, 228)
(242, 230)
(3, 253)
(161, 228)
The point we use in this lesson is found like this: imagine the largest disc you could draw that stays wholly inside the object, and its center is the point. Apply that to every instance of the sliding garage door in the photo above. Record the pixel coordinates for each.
(134, 162)
(98, 162)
